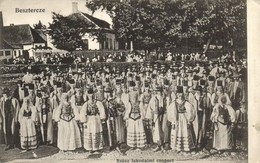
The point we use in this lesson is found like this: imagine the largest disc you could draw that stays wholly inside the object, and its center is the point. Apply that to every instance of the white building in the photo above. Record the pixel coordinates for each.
(19, 40)
(92, 43)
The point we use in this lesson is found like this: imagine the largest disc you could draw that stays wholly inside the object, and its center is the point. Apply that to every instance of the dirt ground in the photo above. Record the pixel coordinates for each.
(52, 154)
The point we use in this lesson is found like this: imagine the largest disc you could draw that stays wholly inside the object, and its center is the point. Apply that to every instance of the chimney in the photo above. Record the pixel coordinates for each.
(1, 31)
(74, 7)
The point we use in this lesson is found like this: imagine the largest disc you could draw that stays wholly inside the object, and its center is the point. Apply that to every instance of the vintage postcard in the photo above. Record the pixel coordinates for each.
(129, 81)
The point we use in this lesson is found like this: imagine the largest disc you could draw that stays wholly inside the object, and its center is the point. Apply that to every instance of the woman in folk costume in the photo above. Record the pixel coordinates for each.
(173, 87)
(181, 114)
(218, 93)
(188, 96)
(46, 117)
(189, 77)
(55, 99)
(68, 131)
(134, 120)
(119, 122)
(9, 109)
(114, 120)
(99, 95)
(77, 102)
(203, 113)
(157, 113)
(125, 94)
(223, 117)
(108, 127)
(27, 118)
(92, 114)
(72, 84)
(145, 98)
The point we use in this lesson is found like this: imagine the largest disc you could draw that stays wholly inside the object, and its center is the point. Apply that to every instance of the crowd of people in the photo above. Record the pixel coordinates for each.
(69, 58)
(179, 106)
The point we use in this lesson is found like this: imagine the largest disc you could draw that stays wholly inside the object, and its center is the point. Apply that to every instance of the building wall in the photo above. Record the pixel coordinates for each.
(38, 44)
(93, 44)
(27, 47)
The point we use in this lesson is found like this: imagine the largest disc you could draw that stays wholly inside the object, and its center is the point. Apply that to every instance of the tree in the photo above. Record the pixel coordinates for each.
(39, 25)
(224, 23)
(153, 24)
(67, 31)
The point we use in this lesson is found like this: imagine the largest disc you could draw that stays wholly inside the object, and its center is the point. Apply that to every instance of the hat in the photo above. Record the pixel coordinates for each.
(71, 81)
(219, 83)
(98, 82)
(31, 86)
(196, 77)
(130, 75)
(202, 82)
(132, 84)
(20, 82)
(211, 78)
(166, 82)
(179, 89)
(92, 80)
(107, 80)
(90, 91)
(198, 88)
(58, 84)
(146, 84)
(77, 85)
(6, 91)
(118, 81)
(185, 83)
(137, 78)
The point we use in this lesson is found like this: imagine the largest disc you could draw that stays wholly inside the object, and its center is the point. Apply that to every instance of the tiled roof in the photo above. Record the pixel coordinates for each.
(100, 23)
(17, 35)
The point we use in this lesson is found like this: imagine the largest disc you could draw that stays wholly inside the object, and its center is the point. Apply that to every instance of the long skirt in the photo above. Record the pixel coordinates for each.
(68, 135)
(2, 140)
(161, 130)
(49, 128)
(222, 139)
(135, 133)
(148, 130)
(120, 129)
(28, 134)
(93, 134)
(182, 136)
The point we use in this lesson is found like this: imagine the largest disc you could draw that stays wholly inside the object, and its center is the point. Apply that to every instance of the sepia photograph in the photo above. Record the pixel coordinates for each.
(125, 81)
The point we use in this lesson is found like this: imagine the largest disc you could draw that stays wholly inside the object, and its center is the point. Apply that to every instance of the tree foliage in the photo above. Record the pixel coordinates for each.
(153, 24)
(67, 31)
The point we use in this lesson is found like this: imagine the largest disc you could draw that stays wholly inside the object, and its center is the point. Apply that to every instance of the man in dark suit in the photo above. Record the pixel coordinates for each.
(237, 91)
(19, 92)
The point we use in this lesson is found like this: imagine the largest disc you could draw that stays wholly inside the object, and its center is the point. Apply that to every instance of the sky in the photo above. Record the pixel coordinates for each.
(63, 7)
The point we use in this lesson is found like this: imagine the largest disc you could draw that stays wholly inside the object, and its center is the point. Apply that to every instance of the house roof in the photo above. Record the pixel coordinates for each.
(21, 35)
(6, 45)
(100, 23)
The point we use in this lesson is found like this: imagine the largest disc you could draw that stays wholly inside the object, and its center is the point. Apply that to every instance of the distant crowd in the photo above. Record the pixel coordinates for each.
(69, 58)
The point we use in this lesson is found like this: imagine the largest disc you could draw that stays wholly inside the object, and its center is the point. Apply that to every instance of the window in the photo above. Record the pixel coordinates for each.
(7, 53)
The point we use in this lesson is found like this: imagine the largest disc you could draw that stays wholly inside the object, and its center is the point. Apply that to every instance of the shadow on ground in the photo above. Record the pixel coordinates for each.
(13, 154)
